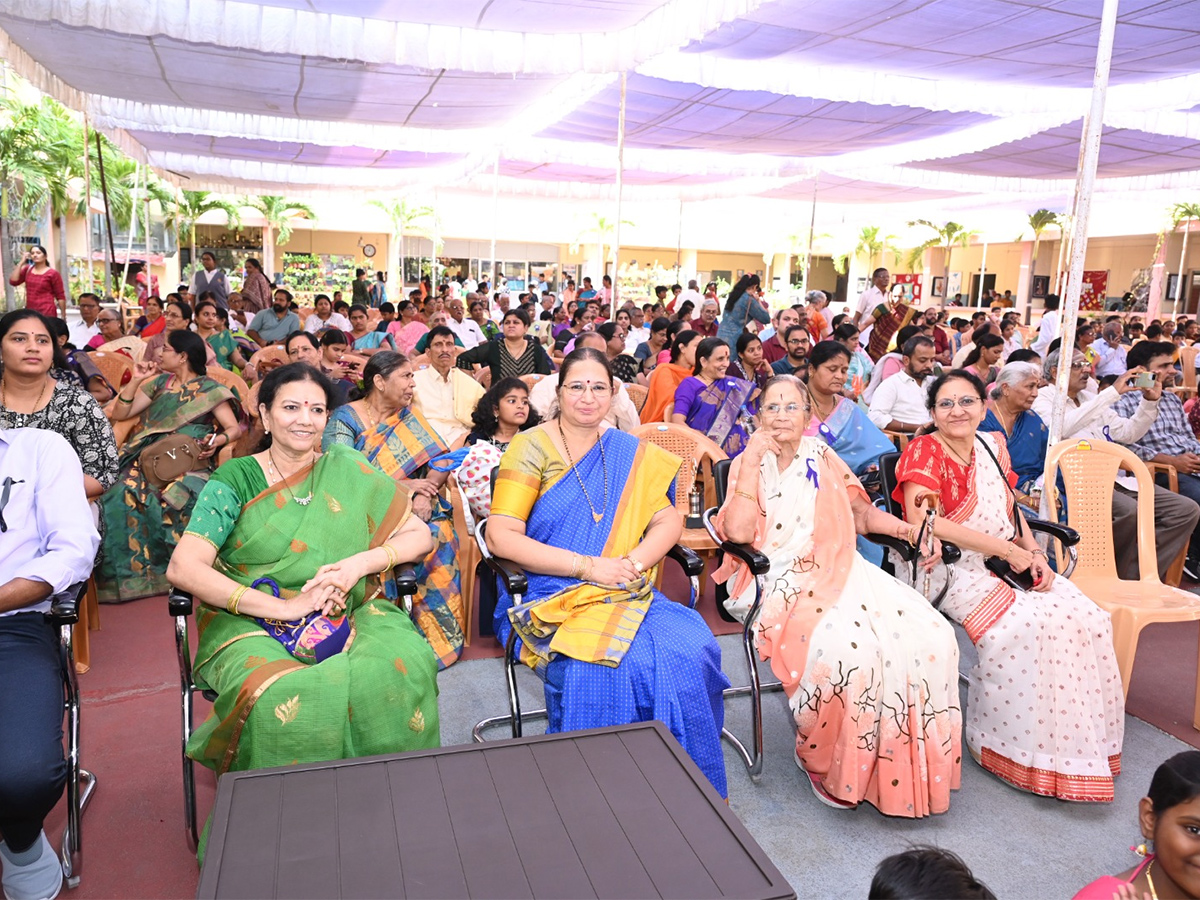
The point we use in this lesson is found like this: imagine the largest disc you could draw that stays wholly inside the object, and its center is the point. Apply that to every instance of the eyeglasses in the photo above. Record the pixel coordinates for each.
(1080, 364)
(774, 409)
(967, 403)
(576, 388)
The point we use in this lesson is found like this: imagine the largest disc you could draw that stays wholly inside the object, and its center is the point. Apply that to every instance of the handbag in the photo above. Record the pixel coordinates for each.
(169, 458)
(313, 638)
(1020, 581)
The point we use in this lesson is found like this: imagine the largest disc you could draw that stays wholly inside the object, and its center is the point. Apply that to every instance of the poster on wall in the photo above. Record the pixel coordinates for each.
(1041, 286)
(908, 287)
(939, 286)
(954, 285)
(1091, 292)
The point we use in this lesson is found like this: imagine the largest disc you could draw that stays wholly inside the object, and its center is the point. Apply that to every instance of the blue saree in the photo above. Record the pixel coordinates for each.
(1026, 445)
(716, 410)
(653, 658)
(852, 435)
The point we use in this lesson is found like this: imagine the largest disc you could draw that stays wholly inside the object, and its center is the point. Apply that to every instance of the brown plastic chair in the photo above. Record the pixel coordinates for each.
(694, 449)
(637, 393)
(273, 353)
(468, 553)
(113, 366)
(1089, 470)
(899, 438)
(231, 381)
(1187, 363)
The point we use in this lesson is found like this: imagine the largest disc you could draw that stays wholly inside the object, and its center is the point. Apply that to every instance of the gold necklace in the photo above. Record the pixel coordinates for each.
(596, 516)
(36, 406)
(966, 462)
(1150, 880)
(303, 501)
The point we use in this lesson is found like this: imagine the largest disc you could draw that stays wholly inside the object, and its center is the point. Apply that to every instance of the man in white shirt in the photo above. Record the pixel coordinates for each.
(467, 330)
(1111, 351)
(692, 293)
(446, 396)
(622, 414)
(638, 332)
(899, 402)
(87, 328)
(1091, 417)
(872, 297)
(1048, 328)
(48, 543)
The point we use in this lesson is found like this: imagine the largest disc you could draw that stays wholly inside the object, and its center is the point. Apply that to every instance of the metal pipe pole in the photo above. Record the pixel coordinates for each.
(679, 243)
(495, 220)
(812, 223)
(133, 204)
(87, 206)
(112, 252)
(1089, 157)
(620, 184)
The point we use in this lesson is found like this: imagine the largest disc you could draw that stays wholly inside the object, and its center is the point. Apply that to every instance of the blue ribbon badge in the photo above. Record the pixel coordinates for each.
(811, 473)
(1107, 434)
(825, 433)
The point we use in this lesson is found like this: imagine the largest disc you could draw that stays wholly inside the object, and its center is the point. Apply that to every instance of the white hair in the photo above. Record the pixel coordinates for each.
(1012, 375)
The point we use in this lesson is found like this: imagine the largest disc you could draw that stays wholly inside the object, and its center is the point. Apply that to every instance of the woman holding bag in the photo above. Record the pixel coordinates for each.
(185, 420)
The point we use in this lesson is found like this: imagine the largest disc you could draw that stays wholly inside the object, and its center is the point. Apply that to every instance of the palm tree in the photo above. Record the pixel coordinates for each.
(27, 170)
(1183, 212)
(871, 244)
(278, 213)
(1039, 221)
(187, 209)
(603, 231)
(947, 237)
(403, 218)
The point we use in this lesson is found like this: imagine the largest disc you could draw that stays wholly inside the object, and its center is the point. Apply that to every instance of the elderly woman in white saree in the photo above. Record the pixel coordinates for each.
(869, 668)
(1045, 708)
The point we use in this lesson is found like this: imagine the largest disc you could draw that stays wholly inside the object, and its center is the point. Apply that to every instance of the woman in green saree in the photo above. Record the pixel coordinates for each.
(208, 326)
(397, 440)
(144, 522)
(275, 538)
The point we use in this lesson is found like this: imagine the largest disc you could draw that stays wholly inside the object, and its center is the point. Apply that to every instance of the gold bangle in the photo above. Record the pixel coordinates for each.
(236, 597)
(391, 557)
(1008, 552)
(748, 496)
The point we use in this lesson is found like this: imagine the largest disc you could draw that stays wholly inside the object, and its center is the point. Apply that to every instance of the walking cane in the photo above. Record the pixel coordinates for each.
(925, 536)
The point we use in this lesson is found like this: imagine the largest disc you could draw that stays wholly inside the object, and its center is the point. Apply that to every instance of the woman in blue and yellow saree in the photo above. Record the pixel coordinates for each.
(590, 515)
(397, 440)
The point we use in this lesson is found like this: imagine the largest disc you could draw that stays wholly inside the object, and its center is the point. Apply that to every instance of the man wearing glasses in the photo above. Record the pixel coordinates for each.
(47, 544)
(87, 328)
(796, 345)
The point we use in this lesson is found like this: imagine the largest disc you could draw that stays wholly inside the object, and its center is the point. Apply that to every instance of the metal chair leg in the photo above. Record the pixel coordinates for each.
(187, 687)
(515, 718)
(752, 758)
(80, 782)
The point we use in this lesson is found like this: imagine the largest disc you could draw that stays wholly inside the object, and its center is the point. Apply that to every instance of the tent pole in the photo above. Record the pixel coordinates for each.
(812, 224)
(1089, 157)
(495, 221)
(133, 204)
(87, 206)
(679, 242)
(620, 183)
(112, 253)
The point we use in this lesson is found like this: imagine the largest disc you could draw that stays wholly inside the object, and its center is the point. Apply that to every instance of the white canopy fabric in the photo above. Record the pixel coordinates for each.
(879, 100)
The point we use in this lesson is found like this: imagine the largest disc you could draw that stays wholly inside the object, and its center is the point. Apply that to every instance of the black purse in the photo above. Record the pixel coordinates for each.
(1019, 581)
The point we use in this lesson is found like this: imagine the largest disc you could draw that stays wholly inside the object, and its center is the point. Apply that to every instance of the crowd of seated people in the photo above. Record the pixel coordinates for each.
(547, 394)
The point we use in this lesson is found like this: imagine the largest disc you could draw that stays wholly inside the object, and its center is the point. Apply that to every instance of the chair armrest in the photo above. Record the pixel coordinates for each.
(755, 561)
(179, 602)
(510, 573)
(950, 553)
(903, 549)
(64, 607)
(1066, 536)
(405, 577)
(689, 560)
(1165, 469)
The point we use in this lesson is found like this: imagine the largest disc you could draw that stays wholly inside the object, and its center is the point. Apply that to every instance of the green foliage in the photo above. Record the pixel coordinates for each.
(279, 213)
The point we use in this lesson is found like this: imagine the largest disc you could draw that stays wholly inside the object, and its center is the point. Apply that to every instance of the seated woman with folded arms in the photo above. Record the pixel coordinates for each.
(869, 668)
(287, 552)
(1045, 702)
(590, 535)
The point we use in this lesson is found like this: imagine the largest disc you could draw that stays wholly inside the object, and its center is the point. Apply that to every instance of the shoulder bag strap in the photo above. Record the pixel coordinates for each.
(1018, 519)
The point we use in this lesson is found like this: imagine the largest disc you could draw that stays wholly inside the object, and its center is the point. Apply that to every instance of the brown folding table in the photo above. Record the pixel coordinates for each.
(611, 812)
